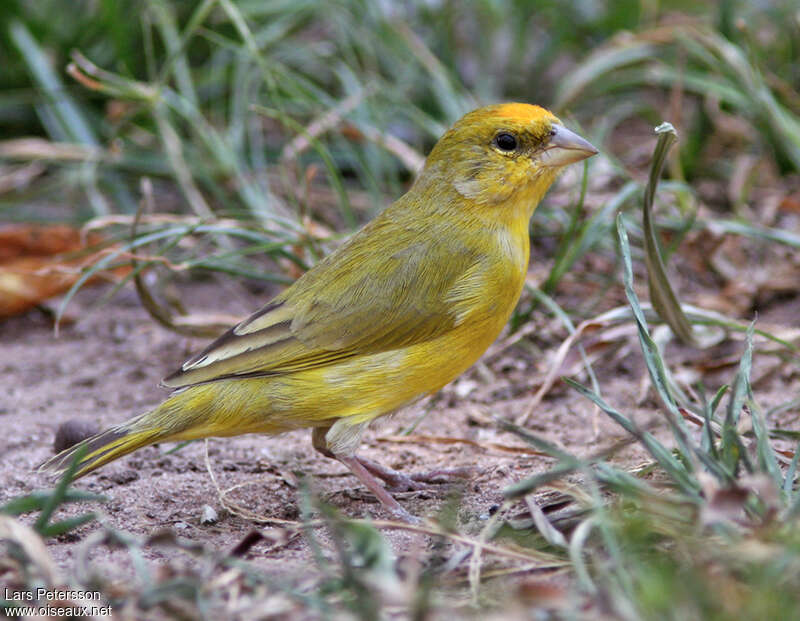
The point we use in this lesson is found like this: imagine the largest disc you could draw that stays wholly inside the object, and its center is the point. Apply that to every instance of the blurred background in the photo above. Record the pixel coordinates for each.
(290, 122)
(268, 127)
(287, 123)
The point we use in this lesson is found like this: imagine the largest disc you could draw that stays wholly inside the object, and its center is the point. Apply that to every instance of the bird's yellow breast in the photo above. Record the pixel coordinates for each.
(371, 385)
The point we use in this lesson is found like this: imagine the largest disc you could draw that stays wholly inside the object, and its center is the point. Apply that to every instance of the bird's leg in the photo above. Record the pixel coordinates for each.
(363, 475)
(366, 471)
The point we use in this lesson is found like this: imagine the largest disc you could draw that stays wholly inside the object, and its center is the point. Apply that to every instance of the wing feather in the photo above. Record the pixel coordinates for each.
(355, 302)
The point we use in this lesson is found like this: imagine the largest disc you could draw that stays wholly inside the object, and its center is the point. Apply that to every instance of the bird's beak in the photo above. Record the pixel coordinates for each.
(566, 147)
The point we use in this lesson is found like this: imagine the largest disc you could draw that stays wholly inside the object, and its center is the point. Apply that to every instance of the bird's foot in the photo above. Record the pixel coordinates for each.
(398, 482)
(367, 470)
(363, 474)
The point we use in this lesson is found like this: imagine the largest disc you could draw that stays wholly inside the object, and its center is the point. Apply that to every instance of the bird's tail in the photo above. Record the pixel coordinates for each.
(199, 411)
(104, 447)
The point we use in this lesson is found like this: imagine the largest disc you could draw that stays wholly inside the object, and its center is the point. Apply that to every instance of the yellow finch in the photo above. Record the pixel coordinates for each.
(403, 307)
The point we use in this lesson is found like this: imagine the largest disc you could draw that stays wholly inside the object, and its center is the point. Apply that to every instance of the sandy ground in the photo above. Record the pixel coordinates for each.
(105, 366)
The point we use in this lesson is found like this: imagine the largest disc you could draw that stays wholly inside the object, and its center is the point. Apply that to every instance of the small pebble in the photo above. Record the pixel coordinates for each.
(124, 477)
(209, 515)
(464, 387)
(73, 431)
(119, 332)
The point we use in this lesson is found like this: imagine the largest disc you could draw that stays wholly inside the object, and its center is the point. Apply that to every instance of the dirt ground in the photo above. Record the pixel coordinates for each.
(105, 367)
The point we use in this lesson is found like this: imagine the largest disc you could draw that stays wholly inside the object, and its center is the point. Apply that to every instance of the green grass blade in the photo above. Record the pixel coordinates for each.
(662, 295)
(59, 493)
(660, 453)
(791, 471)
(653, 360)
(36, 501)
(740, 388)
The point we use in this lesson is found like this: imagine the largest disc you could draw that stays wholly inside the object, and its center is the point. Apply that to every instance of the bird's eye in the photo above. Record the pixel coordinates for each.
(505, 141)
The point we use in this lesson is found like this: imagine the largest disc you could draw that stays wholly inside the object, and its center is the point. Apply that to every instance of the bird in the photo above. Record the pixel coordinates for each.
(397, 311)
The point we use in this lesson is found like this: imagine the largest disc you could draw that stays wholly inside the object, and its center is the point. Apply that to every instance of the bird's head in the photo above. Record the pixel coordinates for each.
(506, 152)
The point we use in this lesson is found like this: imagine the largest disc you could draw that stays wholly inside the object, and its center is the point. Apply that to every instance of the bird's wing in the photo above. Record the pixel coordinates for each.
(378, 292)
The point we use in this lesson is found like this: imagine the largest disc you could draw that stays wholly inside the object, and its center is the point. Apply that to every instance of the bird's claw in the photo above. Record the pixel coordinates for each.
(398, 482)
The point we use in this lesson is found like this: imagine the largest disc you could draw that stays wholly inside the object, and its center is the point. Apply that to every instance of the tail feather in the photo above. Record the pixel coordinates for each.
(196, 412)
(102, 448)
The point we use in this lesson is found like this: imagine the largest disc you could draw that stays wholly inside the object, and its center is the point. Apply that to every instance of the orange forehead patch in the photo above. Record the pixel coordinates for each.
(522, 112)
